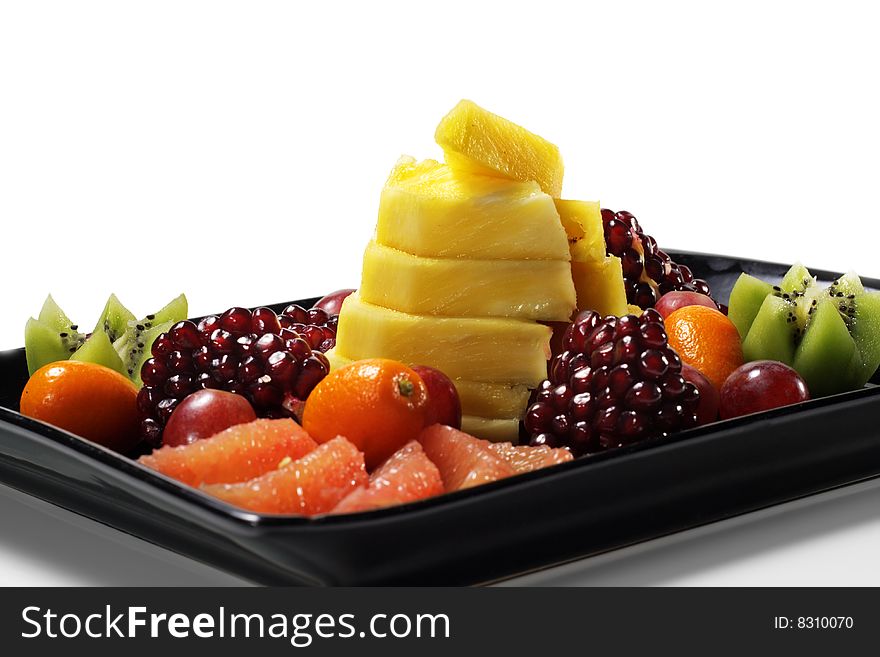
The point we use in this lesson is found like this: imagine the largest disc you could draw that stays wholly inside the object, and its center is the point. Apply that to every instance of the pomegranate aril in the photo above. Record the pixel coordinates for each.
(162, 346)
(266, 345)
(208, 325)
(243, 344)
(653, 364)
(222, 342)
(224, 368)
(282, 367)
(249, 370)
(538, 418)
(644, 396)
(179, 362)
(147, 398)
(297, 313)
(201, 359)
(264, 395)
(179, 386)
(154, 372)
(264, 320)
(165, 408)
(311, 373)
(236, 321)
(186, 335)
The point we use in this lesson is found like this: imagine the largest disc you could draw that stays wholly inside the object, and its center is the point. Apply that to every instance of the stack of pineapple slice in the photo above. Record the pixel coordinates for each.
(469, 256)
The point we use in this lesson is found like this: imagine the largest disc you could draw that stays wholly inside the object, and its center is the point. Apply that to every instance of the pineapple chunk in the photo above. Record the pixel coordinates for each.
(582, 221)
(428, 209)
(476, 140)
(492, 400)
(599, 286)
(526, 289)
(491, 350)
(495, 430)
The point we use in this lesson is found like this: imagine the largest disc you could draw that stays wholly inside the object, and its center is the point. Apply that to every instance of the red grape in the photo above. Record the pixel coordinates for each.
(710, 400)
(444, 405)
(760, 386)
(332, 302)
(204, 413)
(672, 301)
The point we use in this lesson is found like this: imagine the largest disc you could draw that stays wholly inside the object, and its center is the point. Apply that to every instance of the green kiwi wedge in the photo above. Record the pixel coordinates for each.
(50, 337)
(830, 335)
(99, 350)
(119, 341)
(133, 346)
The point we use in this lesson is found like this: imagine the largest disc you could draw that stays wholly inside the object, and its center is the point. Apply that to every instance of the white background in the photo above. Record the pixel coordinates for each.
(235, 151)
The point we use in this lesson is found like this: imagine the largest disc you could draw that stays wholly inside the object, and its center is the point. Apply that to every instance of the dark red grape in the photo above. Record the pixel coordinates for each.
(760, 386)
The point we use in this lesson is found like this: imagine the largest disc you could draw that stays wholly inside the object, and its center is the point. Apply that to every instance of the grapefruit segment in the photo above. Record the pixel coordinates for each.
(408, 475)
(236, 454)
(313, 484)
(463, 461)
(525, 458)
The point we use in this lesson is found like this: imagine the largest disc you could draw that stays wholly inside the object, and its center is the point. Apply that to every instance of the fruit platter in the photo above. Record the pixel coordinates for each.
(518, 380)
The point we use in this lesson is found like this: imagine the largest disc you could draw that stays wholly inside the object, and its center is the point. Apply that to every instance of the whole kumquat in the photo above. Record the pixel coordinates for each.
(378, 404)
(89, 400)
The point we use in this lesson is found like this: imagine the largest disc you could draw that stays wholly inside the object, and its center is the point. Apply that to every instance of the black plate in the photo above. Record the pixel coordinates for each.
(509, 527)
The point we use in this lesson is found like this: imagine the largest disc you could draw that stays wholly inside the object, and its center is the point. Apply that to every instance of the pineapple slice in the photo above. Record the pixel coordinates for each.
(582, 221)
(479, 141)
(526, 289)
(494, 430)
(490, 350)
(599, 286)
(428, 209)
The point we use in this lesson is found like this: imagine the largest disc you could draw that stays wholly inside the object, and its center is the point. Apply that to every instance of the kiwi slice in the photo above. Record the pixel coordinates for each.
(133, 346)
(114, 319)
(50, 337)
(119, 341)
(98, 349)
(830, 335)
(745, 301)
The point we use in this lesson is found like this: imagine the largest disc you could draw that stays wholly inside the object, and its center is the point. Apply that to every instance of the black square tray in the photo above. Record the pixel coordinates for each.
(510, 527)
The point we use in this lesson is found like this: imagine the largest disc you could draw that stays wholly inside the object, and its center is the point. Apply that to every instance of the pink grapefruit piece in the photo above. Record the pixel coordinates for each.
(525, 458)
(313, 484)
(463, 461)
(408, 475)
(239, 453)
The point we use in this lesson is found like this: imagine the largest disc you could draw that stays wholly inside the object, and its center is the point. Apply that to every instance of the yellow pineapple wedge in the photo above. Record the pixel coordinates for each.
(429, 209)
(476, 140)
(582, 221)
(599, 286)
(525, 289)
(487, 349)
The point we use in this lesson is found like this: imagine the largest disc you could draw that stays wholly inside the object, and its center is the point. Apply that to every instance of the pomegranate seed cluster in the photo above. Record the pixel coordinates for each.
(648, 272)
(273, 360)
(617, 382)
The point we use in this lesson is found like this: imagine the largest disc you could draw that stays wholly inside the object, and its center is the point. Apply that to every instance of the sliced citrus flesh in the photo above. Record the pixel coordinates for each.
(236, 454)
(313, 484)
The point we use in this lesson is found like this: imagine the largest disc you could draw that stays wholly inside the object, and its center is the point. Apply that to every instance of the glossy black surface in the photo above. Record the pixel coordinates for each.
(495, 531)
